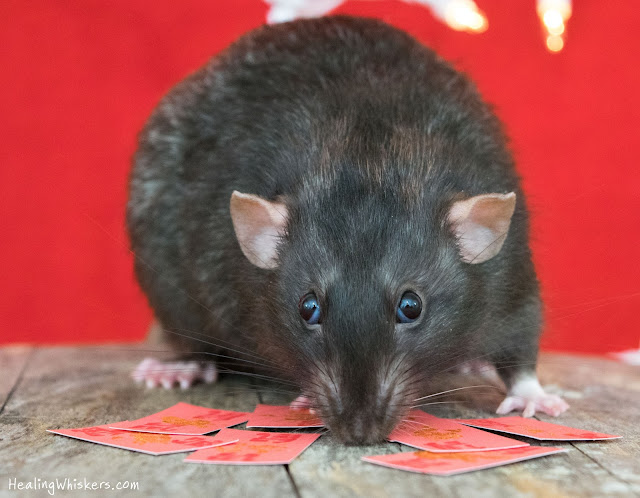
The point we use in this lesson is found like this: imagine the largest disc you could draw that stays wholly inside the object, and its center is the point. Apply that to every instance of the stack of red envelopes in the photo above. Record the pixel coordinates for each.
(446, 446)
(454, 446)
(181, 428)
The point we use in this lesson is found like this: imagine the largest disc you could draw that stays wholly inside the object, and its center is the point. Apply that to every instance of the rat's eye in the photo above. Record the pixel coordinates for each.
(310, 309)
(409, 308)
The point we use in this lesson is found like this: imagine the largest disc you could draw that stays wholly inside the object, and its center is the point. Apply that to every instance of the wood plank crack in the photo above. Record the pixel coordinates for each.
(603, 467)
(18, 380)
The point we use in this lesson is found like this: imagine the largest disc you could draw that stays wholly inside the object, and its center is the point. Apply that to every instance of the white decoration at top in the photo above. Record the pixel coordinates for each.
(461, 15)
(288, 10)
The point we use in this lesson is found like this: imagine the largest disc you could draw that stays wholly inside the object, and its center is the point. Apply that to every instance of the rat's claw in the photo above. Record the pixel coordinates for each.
(209, 373)
(529, 410)
(527, 395)
(552, 405)
(508, 405)
(155, 373)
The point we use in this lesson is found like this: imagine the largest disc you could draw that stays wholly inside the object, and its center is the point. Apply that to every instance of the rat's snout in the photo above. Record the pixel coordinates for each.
(362, 428)
(360, 383)
(364, 411)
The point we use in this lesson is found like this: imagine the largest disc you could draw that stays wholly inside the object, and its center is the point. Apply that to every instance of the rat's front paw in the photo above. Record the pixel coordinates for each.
(547, 403)
(526, 394)
(156, 373)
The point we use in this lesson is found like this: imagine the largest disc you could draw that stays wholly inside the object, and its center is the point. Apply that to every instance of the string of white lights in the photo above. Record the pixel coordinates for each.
(461, 15)
(554, 15)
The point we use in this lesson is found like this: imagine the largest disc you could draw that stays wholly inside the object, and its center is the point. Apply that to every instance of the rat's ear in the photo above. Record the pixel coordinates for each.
(259, 224)
(481, 224)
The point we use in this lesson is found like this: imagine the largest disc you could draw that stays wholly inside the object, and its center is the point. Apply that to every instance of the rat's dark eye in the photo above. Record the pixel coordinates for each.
(409, 308)
(310, 309)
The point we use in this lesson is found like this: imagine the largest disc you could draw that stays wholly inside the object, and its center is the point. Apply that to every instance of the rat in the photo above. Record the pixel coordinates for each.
(330, 201)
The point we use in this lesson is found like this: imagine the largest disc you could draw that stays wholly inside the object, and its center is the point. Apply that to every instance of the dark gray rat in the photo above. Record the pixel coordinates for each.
(329, 200)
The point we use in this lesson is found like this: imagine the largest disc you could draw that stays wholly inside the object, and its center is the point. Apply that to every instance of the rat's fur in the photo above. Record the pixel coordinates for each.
(368, 138)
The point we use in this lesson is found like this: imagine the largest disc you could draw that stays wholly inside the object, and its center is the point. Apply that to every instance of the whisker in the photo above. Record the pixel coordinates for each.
(258, 376)
(456, 389)
(435, 403)
(207, 353)
(214, 344)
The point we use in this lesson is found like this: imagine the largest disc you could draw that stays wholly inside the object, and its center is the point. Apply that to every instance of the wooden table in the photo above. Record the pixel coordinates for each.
(42, 388)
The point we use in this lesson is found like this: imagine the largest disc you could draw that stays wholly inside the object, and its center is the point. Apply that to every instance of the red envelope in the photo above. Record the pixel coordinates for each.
(184, 419)
(255, 448)
(529, 427)
(427, 462)
(426, 432)
(153, 444)
(282, 417)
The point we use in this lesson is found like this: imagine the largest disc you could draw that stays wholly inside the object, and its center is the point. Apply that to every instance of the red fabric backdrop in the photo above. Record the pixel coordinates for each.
(80, 77)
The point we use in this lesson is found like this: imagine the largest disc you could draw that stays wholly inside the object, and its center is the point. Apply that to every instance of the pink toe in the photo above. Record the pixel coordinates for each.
(530, 409)
(210, 374)
(141, 372)
(185, 384)
(167, 383)
(300, 403)
(554, 406)
(187, 374)
(508, 405)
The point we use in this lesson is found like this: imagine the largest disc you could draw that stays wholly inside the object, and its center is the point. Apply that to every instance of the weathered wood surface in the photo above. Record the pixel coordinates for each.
(71, 387)
(13, 360)
(75, 387)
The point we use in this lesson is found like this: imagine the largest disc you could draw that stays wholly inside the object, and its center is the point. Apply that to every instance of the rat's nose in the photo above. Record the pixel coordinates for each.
(357, 432)
(362, 429)
(362, 413)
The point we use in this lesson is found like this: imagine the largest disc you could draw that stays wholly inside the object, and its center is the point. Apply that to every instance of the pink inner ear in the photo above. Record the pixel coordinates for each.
(481, 224)
(259, 225)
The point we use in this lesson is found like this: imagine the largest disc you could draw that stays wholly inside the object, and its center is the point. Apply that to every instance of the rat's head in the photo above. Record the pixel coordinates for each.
(373, 294)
